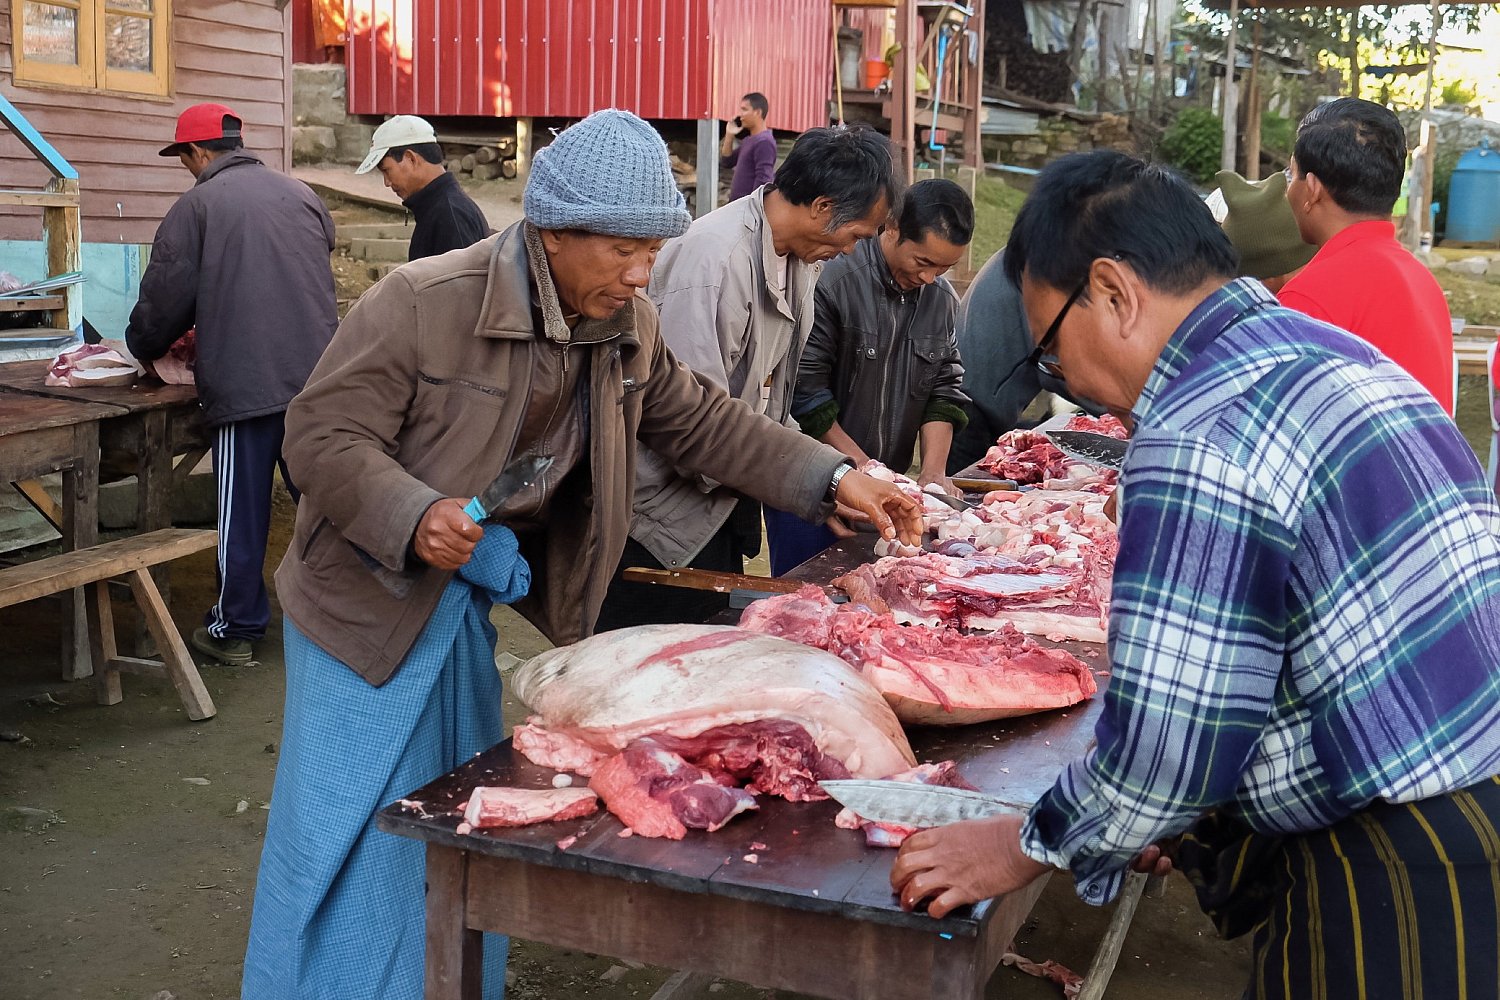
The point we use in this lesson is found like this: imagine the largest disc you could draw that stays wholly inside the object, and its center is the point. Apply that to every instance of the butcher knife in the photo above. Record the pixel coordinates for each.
(514, 478)
(907, 803)
(1085, 446)
(742, 588)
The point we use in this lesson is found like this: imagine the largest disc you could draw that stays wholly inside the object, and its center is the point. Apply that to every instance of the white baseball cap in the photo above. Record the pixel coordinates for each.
(402, 130)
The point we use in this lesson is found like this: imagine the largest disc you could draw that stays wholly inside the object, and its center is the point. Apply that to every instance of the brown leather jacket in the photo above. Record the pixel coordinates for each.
(421, 396)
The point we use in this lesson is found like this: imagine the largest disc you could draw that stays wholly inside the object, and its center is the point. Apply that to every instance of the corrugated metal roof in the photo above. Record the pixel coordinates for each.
(664, 59)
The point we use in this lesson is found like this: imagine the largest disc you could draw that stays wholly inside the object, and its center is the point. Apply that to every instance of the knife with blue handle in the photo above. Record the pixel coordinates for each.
(516, 476)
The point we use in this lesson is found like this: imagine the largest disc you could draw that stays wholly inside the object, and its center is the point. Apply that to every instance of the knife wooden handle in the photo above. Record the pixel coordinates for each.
(984, 485)
(707, 579)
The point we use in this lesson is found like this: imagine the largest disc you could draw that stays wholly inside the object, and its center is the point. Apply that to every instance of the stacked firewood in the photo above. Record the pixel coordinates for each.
(1013, 64)
(480, 160)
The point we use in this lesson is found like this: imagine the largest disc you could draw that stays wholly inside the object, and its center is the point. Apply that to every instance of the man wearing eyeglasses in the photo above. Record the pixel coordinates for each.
(1303, 641)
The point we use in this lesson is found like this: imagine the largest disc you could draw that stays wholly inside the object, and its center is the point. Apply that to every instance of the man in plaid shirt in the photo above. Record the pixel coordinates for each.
(1304, 638)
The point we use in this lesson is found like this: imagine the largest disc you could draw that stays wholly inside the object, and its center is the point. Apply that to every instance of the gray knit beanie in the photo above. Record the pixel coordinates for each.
(609, 173)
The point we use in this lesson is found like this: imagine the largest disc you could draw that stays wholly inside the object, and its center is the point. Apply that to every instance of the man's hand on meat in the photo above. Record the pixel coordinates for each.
(950, 866)
(894, 514)
(446, 536)
(928, 477)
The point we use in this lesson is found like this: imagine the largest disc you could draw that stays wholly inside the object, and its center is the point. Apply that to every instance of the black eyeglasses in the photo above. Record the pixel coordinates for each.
(1040, 357)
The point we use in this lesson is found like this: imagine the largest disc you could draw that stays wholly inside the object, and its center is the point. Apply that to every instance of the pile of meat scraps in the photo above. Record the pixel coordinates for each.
(1029, 458)
(680, 726)
(1054, 535)
(91, 364)
(987, 591)
(931, 674)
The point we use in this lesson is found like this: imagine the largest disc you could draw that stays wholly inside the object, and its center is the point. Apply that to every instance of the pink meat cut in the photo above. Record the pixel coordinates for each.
(1029, 458)
(985, 591)
(738, 705)
(889, 834)
(932, 675)
(494, 806)
(657, 793)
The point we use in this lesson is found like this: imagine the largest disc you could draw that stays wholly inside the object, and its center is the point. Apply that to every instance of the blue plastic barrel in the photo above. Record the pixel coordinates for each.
(1474, 197)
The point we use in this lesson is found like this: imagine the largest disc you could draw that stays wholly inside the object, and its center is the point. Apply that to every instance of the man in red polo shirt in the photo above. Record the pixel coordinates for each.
(1344, 177)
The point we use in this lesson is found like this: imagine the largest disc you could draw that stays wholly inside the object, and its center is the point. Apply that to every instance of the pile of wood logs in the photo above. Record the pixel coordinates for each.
(1011, 63)
(481, 159)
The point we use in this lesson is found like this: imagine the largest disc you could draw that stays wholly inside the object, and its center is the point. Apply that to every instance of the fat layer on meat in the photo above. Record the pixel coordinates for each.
(683, 680)
(931, 674)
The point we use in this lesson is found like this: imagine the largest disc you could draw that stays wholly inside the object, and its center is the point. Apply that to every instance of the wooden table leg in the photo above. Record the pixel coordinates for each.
(455, 952)
(154, 482)
(80, 529)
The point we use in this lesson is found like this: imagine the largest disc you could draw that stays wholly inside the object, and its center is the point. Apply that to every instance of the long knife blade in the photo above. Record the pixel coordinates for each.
(1085, 446)
(907, 803)
(514, 478)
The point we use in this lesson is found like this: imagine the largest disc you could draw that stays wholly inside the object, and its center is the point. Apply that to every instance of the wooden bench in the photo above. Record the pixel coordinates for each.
(130, 560)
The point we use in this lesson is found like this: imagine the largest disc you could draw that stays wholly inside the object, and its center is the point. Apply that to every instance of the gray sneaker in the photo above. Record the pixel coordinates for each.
(236, 652)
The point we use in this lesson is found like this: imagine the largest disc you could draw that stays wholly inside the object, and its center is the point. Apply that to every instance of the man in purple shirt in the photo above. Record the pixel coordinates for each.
(754, 159)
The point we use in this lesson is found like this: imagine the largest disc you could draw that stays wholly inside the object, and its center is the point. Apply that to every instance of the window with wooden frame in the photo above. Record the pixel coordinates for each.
(116, 45)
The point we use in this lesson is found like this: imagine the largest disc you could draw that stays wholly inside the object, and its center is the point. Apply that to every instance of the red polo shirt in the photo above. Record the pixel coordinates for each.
(1365, 282)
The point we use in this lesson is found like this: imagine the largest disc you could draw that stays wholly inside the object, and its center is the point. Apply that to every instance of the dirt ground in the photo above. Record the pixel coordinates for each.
(131, 836)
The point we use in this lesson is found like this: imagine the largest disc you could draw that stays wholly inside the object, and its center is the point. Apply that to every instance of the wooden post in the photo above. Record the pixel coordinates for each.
(1253, 106)
(973, 87)
(80, 529)
(1231, 96)
(904, 90)
(707, 198)
(1429, 132)
(523, 146)
(62, 234)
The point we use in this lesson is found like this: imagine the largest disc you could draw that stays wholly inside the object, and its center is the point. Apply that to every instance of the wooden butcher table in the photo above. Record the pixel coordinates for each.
(779, 898)
(151, 424)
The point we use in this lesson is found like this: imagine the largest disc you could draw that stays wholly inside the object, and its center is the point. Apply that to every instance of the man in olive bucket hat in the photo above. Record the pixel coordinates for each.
(1260, 224)
(537, 339)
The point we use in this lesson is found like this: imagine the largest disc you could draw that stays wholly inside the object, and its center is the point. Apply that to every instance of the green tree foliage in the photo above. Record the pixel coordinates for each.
(1194, 144)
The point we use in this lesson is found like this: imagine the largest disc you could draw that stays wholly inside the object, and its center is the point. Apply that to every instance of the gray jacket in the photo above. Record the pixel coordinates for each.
(995, 340)
(880, 354)
(723, 318)
(243, 256)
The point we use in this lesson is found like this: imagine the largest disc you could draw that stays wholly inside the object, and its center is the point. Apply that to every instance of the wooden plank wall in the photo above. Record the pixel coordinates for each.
(235, 52)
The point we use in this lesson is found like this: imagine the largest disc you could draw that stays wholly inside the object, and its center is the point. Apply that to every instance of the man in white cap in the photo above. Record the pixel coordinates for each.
(539, 340)
(406, 152)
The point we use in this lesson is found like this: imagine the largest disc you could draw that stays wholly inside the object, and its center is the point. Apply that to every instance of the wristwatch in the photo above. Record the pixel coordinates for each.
(838, 477)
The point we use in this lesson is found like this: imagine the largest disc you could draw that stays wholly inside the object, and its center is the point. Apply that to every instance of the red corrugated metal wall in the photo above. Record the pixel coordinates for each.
(674, 59)
(782, 48)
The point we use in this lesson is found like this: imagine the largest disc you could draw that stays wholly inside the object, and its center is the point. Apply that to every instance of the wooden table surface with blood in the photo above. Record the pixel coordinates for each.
(784, 858)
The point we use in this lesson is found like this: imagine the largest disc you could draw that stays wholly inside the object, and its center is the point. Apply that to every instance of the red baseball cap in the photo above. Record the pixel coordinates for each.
(202, 122)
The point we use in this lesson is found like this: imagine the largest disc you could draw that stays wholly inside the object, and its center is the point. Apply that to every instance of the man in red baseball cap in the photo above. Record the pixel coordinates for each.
(203, 122)
(243, 257)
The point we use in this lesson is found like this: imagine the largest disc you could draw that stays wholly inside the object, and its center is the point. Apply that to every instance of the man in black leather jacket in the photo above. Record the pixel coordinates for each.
(881, 367)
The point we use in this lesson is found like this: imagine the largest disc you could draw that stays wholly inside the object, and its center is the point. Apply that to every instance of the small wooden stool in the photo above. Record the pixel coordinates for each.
(129, 559)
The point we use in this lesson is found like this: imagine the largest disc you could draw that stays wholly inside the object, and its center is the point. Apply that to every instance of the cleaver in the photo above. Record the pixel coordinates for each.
(1085, 446)
(514, 478)
(907, 803)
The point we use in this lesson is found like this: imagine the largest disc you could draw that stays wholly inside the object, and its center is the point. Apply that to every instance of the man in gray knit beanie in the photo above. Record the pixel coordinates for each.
(537, 340)
(608, 174)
